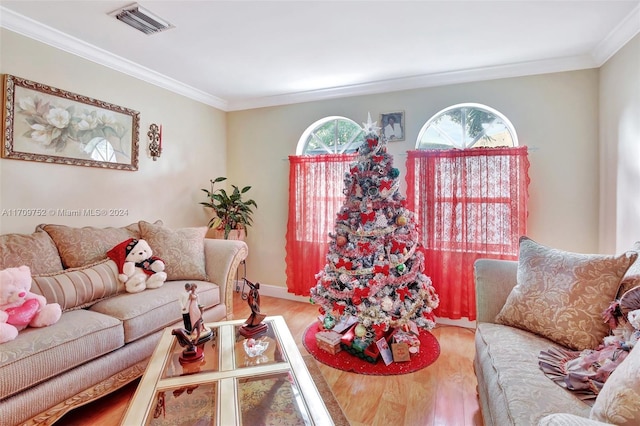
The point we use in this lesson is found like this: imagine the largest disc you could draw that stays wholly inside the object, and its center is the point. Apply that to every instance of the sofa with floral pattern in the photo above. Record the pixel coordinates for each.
(105, 335)
(550, 299)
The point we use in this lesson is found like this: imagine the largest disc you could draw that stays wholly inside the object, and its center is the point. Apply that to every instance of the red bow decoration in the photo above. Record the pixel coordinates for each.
(343, 216)
(342, 263)
(365, 247)
(402, 292)
(381, 269)
(354, 170)
(397, 246)
(379, 329)
(367, 217)
(338, 307)
(372, 143)
(361, 292)
(378, 158)
(385, 184)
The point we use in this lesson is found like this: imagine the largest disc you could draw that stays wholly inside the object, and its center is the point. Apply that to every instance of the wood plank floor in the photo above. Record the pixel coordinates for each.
(442, 394)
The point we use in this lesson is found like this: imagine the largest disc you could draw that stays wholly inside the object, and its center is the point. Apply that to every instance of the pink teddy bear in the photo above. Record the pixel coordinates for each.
(19, 307)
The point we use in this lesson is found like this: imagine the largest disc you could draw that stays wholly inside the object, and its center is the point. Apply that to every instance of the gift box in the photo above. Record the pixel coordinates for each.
(410, 339)
(329, 341)
(370, 354)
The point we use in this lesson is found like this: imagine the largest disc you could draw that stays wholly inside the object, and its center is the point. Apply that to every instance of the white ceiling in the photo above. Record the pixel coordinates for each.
(244, 54)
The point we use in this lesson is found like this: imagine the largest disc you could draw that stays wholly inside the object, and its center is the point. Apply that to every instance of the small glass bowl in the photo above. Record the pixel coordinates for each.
(254, 348)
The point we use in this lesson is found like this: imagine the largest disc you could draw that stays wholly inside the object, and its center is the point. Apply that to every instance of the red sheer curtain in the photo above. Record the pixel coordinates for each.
(316, 194)
(469, 204)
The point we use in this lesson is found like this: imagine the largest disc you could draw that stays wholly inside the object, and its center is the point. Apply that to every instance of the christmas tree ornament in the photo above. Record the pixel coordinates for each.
(341, 240)
(401, 268)
(329, 321)
(401, 221)
(360, 330)
(386, 304)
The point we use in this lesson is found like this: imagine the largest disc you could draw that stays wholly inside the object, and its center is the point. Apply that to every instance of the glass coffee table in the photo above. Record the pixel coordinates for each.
(228, 386)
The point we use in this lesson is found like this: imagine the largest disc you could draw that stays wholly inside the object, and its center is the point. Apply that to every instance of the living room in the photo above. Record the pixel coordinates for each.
(581, 126)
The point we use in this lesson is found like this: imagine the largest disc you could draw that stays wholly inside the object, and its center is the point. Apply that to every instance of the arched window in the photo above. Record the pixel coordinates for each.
(330, 135)
(467, 125)
(467, 183)
(316, 192)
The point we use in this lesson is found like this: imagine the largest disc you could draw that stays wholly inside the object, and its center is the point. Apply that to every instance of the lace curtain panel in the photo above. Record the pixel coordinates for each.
(316, 193)
(469, 204)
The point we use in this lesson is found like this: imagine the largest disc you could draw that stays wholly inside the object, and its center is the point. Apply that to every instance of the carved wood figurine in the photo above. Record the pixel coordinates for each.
(254, 324)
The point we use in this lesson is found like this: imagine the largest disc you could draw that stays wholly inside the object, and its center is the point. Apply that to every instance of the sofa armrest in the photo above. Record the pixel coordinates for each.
(564, 419)
(494, 281)
(222, 258)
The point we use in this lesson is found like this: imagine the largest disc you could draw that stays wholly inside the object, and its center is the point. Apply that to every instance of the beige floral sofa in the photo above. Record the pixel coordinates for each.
(550, 298)
(105, 335)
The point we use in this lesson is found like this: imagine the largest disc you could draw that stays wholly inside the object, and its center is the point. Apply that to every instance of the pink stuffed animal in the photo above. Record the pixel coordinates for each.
(19, 307)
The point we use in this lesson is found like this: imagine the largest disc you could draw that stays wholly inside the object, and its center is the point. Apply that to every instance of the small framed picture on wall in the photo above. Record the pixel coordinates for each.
(392, 126)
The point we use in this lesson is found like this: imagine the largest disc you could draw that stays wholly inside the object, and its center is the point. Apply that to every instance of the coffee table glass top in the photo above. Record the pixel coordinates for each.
(211, 361)
(228, 386)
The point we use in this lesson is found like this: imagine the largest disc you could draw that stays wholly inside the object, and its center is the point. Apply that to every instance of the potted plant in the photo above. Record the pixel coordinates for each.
(232, 211)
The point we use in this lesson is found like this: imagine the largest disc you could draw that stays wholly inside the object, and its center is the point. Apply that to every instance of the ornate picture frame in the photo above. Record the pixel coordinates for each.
(43, 123)
(392, 126)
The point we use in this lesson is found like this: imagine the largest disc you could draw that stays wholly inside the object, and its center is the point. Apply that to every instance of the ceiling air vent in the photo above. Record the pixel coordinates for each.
(141, 19)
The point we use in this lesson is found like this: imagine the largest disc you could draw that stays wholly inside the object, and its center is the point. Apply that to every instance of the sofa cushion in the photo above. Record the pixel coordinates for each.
(631, 278)
(79, 287)
(153, 309)
(512, 387)
(181, 249)
(38, 354)
(36, 250)
(563, 419)
(619, 399)
(83, 246)
(562, 295)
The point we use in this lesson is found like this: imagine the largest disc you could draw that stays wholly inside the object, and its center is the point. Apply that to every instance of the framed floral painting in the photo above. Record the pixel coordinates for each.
(42, 123)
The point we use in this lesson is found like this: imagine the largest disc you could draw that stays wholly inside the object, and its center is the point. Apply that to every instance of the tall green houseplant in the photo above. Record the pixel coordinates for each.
(232, 212)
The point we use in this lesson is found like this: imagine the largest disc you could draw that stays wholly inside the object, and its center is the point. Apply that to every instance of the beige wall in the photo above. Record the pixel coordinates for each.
(556, 115)
(620, 149)
(194, 143)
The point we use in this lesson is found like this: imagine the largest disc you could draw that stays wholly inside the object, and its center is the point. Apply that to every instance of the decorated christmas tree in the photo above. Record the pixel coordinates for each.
(374, 272)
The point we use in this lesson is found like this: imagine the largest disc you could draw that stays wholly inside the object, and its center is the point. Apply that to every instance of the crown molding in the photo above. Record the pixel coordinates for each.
(617, 38)
(45, 34)
(423, 81)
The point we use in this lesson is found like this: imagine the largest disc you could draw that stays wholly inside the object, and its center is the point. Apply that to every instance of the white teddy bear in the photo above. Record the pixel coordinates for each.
(138, 268)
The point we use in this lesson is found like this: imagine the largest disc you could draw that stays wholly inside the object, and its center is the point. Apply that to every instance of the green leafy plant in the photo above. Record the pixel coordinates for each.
(232, 212)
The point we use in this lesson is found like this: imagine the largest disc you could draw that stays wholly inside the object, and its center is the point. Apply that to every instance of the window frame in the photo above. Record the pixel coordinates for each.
(465, 105)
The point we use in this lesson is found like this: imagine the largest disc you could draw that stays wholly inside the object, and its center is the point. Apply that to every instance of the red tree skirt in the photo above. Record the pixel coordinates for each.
(429, 352)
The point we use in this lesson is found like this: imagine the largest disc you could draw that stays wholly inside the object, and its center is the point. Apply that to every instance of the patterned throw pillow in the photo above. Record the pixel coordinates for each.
(632, 278)
(36, 250)
(83, 246)
(619, 399)
(561, 295)
(79, 287)
(181, 249)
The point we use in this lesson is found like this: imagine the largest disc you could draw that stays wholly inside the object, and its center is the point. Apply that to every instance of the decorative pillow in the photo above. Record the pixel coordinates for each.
(37, 251)
(619, 399)
(79, 287)
(83, 246)
(181, 249)
(561, 295)
(632, 278)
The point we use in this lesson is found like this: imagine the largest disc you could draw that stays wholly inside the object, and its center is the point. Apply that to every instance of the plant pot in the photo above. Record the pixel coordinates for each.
(234, 234)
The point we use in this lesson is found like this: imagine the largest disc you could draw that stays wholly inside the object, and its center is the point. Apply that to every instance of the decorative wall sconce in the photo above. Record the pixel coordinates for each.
(155, 141)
